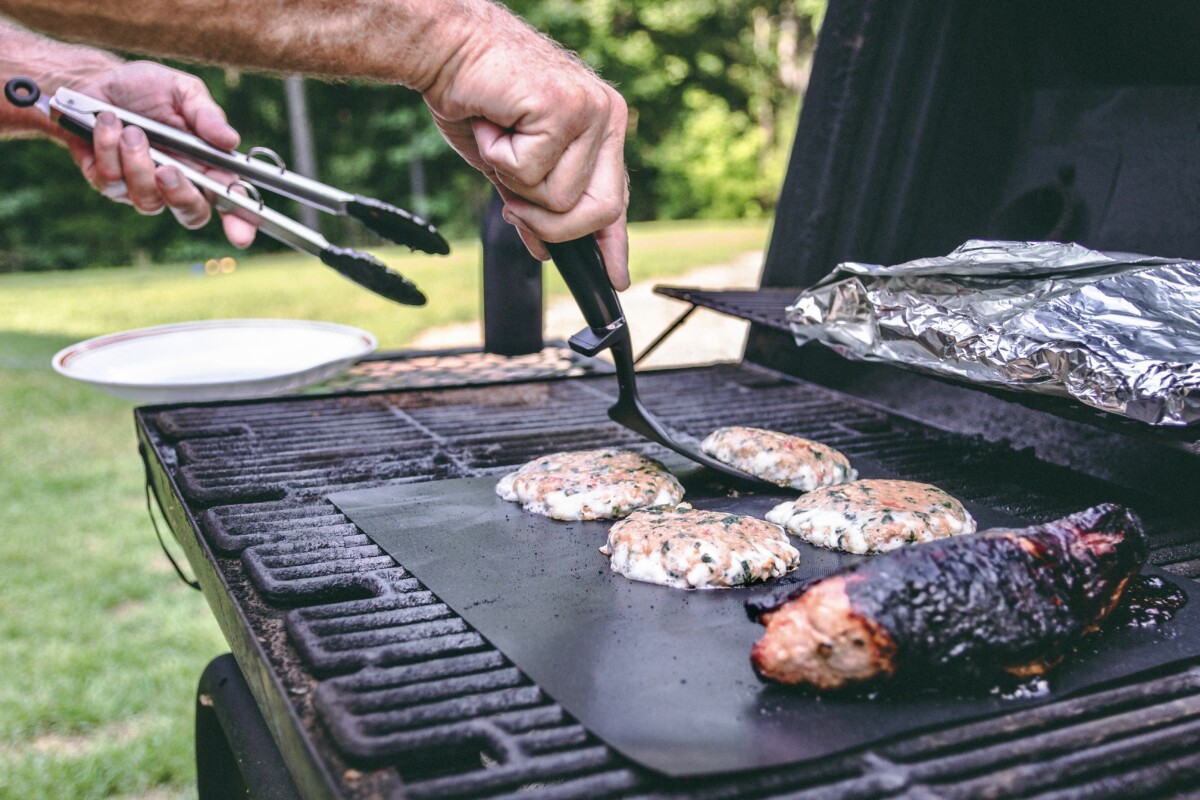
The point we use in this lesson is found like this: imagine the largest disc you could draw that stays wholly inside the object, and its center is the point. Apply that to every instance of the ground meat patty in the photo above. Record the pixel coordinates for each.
(590, 484)
(779, 458)
(695, 549)
(873, 516)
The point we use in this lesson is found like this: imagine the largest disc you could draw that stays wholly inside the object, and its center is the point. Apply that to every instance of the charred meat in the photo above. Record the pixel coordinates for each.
(1010, 600)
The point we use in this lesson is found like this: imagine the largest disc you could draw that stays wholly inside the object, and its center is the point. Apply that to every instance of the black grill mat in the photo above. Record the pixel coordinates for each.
(662, 675)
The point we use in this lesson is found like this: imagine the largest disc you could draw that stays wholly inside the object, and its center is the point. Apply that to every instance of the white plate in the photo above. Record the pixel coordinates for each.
(214, 359)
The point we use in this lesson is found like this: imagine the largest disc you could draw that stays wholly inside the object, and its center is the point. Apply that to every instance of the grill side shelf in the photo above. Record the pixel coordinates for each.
(1169, 451)
(760, 306)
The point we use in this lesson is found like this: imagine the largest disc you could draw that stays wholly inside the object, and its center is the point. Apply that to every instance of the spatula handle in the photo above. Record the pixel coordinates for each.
(582, 267)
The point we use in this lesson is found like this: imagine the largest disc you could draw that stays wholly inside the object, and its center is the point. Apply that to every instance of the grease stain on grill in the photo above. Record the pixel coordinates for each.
(1148, 600)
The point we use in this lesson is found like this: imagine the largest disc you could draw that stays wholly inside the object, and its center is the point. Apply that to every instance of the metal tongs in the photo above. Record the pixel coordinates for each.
(77, 113)
(582, 268)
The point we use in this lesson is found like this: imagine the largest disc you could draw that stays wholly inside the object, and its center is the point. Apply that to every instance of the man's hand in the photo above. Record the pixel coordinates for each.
(545, 130)
(117, 162)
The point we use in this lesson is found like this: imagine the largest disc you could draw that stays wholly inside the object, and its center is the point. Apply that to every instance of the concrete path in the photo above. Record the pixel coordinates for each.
(706, 337)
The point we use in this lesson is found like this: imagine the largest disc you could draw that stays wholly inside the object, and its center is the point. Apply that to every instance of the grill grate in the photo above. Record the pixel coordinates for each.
(400, 683)
(233, 528)
(763, 306)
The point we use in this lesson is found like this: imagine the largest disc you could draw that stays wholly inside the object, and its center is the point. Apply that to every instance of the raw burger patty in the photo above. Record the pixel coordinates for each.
(873, 516)
(695, 549)
(590, 484)
(778, 457)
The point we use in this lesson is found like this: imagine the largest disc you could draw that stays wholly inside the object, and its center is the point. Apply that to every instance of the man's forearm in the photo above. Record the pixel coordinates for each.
(53, 65)
(396, 41)
(529, 115)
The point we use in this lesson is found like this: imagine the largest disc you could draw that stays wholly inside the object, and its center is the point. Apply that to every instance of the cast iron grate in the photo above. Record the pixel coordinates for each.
(402, 683)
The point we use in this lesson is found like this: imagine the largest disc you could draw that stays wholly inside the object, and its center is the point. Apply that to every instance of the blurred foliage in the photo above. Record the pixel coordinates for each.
(713, 89)
(700, 77)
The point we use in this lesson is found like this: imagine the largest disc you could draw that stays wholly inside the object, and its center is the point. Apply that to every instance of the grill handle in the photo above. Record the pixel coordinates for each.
(582, 268)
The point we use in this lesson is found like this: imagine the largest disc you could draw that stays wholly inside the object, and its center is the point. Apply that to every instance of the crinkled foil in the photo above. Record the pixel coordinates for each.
(1116, 331)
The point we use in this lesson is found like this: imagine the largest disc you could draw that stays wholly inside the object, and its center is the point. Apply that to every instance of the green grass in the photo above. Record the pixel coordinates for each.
(85, 303)
(100, 644)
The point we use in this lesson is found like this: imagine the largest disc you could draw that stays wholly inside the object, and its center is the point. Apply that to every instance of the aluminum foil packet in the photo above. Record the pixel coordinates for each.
(1116, 331)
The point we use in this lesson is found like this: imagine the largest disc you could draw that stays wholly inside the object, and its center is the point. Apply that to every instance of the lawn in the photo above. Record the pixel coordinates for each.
(100, 643)
(68, 306)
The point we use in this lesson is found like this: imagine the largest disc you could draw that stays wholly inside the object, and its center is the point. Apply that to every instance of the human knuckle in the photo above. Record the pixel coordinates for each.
(138, 68)
(572, 102)
(192, 86)
(618, 108)
(604, 95)
(595, 101)
(582, 95)
(108, 173)
(608, 215)
(561, 199)
(146, 203)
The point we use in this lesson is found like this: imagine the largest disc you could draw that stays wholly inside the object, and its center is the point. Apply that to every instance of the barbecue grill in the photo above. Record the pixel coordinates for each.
(924, 124)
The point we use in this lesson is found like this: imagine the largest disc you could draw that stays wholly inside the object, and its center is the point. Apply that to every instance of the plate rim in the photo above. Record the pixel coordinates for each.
(60, 361)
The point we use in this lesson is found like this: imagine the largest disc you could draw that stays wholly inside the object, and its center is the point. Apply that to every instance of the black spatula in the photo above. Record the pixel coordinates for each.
(582, 267)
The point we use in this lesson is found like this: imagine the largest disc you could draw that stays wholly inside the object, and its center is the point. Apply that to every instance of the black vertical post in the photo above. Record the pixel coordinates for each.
(512, 288)
(304, 158)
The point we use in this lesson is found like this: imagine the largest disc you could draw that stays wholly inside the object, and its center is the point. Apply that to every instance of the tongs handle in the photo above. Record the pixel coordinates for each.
(77, 115)
(582, 268)
(385, 219)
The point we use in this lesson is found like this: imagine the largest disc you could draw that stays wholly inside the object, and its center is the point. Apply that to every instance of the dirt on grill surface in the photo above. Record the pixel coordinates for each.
(299, 685)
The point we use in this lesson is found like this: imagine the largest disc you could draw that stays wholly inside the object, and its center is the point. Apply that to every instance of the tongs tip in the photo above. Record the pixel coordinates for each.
(398, 225)
(371, 273)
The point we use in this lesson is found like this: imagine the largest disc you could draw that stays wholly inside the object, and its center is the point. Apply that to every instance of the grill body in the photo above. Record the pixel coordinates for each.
(372, 687)
(929, 123)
